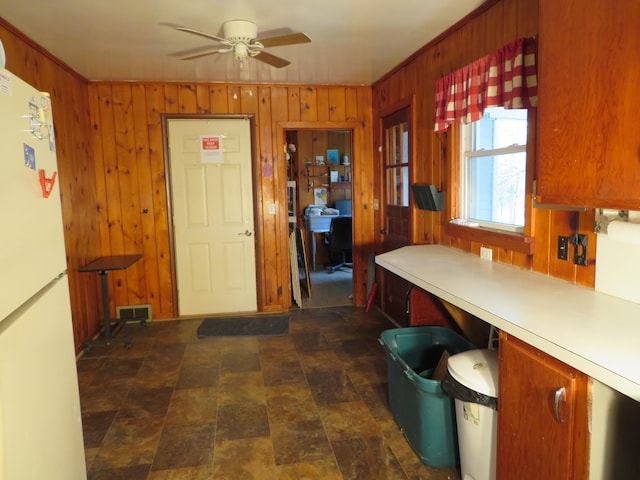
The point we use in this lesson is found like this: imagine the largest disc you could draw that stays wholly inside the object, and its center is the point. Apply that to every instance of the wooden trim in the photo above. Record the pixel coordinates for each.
(532, 162)
(40, 49)
(362, 237)
(390, 110)
(324, 125)
(453, 170)
(485, 236)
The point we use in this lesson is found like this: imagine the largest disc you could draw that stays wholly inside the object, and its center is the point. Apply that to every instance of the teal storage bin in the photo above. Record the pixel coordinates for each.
(424, 413)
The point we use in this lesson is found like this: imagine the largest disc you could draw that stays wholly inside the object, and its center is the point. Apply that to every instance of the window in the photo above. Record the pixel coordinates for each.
(397, 164)
(493, 168)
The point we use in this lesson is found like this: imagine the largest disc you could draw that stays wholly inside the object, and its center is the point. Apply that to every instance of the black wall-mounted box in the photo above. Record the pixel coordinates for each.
(428, 197)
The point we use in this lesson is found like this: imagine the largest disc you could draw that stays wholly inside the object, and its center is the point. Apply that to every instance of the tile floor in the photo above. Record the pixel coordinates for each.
(308, 405)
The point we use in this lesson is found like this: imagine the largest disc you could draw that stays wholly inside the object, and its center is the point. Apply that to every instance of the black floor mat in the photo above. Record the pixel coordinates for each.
(244, 326)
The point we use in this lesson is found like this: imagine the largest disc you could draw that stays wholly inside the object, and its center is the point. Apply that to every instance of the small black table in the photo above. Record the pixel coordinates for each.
(103, 266)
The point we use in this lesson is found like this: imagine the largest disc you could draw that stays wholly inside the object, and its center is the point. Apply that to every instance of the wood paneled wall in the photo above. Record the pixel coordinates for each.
(76, 173)
(111, 165)
(130, 175)
(413, 83)
(111, 171)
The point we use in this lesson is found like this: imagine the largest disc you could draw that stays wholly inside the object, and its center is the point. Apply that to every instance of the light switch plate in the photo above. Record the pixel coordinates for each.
(563, 247)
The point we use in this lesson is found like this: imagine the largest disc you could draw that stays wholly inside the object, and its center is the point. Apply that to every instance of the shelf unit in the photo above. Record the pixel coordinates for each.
(319, 176)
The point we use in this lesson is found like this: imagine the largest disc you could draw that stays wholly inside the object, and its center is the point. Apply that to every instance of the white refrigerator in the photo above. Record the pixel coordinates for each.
(40, 418)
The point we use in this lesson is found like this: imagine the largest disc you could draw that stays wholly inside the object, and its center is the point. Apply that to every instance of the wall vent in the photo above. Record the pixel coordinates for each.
(134, 313)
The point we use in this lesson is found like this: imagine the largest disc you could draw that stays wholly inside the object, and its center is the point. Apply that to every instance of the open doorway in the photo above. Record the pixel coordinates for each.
(319, 171)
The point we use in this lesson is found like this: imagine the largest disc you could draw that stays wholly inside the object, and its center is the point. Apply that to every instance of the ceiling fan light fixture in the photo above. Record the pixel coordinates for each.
(242, 51)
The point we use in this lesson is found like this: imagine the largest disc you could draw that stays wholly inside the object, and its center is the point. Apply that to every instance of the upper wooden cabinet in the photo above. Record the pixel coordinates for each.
(589, 99)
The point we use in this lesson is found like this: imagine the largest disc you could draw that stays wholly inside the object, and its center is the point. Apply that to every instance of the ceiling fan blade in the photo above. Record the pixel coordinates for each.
(194, 51)
(272, 60)
(197, 52)
(198, 32)
(281, 40)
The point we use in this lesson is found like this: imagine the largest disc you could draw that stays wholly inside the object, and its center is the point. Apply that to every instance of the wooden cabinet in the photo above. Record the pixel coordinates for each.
(588, 128)
(393, 296)
(542, 416)
(424, 308)
(411, 306)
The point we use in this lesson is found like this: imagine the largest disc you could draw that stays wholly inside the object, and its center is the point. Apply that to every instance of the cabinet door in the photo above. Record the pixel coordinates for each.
(588, 77)
(426, 309)
(393, 297)
(539, 437)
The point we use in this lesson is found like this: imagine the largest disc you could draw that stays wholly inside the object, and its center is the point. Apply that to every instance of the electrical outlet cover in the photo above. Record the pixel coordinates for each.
(486, 253)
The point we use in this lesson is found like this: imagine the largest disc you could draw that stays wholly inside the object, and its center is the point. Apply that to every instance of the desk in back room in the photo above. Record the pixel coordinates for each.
(317, 224)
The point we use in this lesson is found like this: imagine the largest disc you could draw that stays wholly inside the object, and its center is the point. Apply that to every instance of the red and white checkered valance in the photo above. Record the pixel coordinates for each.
(506, 78)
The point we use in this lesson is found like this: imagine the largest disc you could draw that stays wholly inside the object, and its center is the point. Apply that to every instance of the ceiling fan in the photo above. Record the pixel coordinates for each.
(241, 37)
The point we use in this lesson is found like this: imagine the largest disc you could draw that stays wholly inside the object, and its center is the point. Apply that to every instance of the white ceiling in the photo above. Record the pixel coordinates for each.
(354, 42)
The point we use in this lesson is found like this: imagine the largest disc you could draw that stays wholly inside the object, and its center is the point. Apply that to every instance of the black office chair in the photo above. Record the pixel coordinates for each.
(340, 242)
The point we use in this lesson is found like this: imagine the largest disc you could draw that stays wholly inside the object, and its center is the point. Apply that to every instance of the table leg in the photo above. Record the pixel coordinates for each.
(108, 335)
(313, 249)
(106, 311)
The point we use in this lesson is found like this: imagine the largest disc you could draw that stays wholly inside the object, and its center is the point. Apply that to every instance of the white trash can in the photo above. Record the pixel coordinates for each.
(472, 380)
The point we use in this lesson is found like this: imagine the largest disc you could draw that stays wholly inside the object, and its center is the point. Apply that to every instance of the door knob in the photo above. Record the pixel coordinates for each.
(383, 231)
(246, 233)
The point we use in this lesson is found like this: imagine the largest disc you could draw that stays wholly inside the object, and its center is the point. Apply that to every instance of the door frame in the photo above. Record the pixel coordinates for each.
(361, 200)
(257, 225)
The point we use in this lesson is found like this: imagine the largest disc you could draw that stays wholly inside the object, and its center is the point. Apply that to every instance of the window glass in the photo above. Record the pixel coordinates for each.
(493, 170)
(397, 164)
(500, 128)
(398, 186)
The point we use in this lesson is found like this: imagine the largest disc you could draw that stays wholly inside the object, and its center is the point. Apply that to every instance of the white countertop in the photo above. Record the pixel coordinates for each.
(595, 333)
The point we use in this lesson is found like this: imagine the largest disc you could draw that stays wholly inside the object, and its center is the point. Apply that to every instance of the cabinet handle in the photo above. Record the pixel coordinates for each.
(561, 394)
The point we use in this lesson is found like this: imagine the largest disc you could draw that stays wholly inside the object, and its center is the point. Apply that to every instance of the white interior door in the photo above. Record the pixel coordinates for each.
(212, 194)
